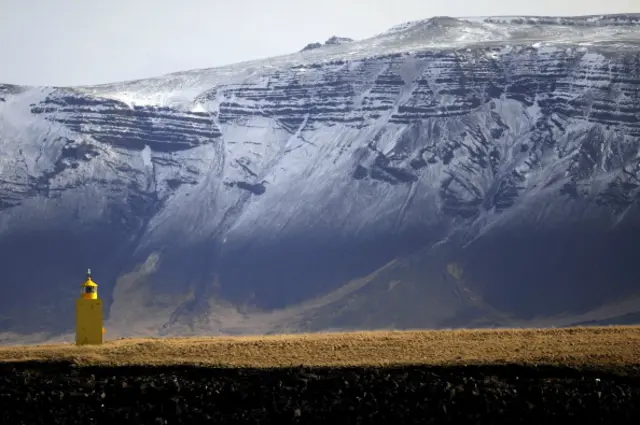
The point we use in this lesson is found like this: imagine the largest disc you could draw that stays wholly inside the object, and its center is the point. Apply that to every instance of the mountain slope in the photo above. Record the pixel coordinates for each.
(459, 171)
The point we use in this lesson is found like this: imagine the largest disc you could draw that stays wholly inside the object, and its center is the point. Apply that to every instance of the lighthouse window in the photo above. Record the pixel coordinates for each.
(89, 290)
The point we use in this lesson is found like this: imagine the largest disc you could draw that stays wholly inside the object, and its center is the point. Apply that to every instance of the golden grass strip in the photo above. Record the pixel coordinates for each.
(596, 346)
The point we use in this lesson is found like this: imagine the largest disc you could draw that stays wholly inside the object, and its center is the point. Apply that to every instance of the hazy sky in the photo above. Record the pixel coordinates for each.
(74, 42)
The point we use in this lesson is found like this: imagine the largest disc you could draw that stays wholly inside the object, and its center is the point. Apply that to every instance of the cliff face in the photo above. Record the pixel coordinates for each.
(445, 171)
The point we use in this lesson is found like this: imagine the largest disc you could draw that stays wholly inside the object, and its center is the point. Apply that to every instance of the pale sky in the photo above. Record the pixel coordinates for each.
(75, 42)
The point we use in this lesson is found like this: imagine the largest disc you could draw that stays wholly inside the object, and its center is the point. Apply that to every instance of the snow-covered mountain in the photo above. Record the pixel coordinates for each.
(447, 172)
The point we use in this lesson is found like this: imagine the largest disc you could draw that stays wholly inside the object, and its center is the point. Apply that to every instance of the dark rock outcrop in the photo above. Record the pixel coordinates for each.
(113, 122)
(331, 41)
(311, 46)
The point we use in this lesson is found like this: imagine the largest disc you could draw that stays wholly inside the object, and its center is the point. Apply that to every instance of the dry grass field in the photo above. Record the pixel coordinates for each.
(597, 346)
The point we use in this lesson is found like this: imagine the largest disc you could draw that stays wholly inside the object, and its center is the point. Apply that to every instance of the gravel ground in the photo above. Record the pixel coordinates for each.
(37, 393)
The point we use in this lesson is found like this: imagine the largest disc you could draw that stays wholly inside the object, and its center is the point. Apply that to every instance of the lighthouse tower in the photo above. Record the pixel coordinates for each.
(89, 328)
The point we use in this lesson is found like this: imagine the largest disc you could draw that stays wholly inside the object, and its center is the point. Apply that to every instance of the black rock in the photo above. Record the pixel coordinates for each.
(32, 393)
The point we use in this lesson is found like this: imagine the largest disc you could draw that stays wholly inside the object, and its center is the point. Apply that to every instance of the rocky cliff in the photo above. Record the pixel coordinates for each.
(448, 172)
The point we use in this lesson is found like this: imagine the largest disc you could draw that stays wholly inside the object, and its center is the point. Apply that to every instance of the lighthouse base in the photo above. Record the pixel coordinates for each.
(89, 330)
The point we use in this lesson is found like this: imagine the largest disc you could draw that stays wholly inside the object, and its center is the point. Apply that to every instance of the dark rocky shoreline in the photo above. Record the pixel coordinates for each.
(54, 393)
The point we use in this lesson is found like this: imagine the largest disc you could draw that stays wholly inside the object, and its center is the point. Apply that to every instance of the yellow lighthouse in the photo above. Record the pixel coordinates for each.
(89, 328)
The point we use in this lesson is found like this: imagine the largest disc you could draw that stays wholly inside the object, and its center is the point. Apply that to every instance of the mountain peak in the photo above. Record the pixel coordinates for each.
(625, 19)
